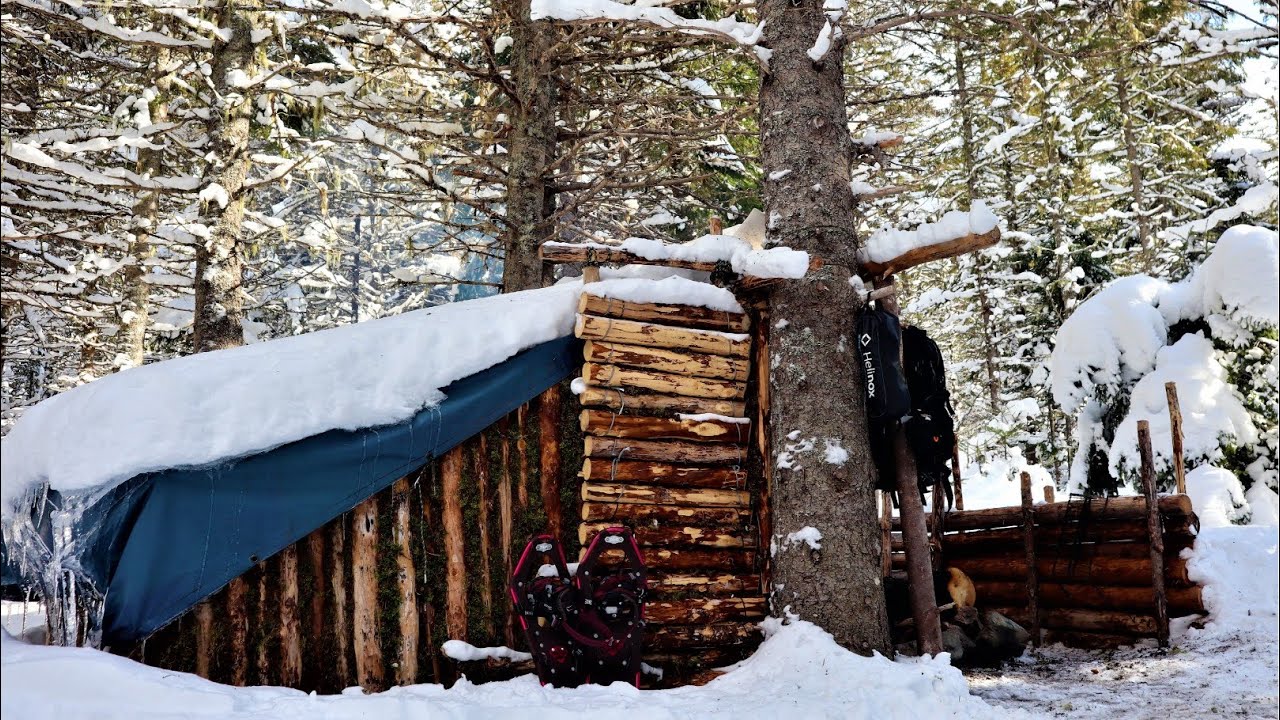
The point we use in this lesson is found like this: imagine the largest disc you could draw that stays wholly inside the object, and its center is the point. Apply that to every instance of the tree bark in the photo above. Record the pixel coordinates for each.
(531, 149)
(406, 585)
(364, 576)
(290, 627)
(634, 332)
(806, 153)
(338, 585)
(219, 297)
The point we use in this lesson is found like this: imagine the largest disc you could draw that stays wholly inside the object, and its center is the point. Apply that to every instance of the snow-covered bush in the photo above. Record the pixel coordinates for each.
(1213, 334)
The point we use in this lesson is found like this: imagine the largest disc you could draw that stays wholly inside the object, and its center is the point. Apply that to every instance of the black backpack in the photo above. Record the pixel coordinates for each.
(931, 428)
(879, 346)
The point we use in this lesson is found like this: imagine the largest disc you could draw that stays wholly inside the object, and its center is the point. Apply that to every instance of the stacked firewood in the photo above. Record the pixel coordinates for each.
(664, 413)
(1093, 574)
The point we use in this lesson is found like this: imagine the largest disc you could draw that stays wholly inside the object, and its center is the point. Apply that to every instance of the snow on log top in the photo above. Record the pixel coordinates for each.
(202, 409)
(887, 244)
(668, 291)
(701, 254)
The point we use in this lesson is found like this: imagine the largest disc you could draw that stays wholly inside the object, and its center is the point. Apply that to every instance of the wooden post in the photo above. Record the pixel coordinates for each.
(715, 225)
(915, 531)
(506, 520)
(315, 603)
(1155, 533)
(760, 333)
(238, 626)
(204, 638)
(1029, 546)
(1175, 434)
(955, 475)
(264, 639)
(549, 457)
(364, 576)
(522, 457)
(590, 274)
(406, 586)
(1048, 493)
(290, 632)
(338, 585)
(480, 459)
(937, 501)
(455, 550)
(886, 533)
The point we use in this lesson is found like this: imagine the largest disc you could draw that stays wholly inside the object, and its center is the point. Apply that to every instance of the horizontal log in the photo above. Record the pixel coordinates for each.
(703, 584)
(675, 536)
(1096, 509)
(1060, 535)
(929, 253)
(667, 560)
(1089, 640)
(1104, 621)
(1182, 601)
(675, 452)
(681, 315)
(658, 495)
(633, 514)
(1135, 571)
(556, 252)
(692, 364)
(675, 660)
(659, 382)
(670, 637)
(625, 401)
(603, 422)
(656, 473)
(630, 332)
(696, 611)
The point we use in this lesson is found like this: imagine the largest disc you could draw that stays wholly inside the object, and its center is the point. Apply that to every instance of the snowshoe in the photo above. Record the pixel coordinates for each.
(608, 624)
(540, 585)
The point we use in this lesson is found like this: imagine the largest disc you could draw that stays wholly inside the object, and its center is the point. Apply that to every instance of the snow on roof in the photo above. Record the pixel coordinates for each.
(205, 408)
(887, 244)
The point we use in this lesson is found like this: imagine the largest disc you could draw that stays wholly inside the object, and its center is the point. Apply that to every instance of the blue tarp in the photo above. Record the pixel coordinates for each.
(161, 542)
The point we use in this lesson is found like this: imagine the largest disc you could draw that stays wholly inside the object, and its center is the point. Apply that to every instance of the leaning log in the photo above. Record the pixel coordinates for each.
(675, 536)
(681, 315)
(703, 610)
(607, 424)
(1155, 533)
(659, 495)
(630, 332)
(702, 584)
(634, 514)
(675, 452)
(1182, 601)
(660, 382)
(656, 473)
(929, 253)
(717, 367)
(364, 573)
(624, 401)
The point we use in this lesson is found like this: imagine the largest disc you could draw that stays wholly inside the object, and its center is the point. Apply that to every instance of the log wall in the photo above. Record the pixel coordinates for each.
(330, 611)
(1093, 581)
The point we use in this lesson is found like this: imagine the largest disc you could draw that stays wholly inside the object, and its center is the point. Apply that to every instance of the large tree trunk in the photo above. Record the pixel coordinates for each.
(816, 402)
(219, 265)
(530, 151)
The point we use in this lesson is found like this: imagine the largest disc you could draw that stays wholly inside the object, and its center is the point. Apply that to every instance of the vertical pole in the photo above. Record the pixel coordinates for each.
(936, 501)
(522, 456)
(204, 638)
(1155, 534)
(455, 614)
(290, 632)
(955, 475)
(886, 533)
(506, 520)
(263, 660)
(238, 622)
(364, 576)
(915, 531)
(1029, 546)
(480, 457)
(315, 558)
(1175, 434)
(355, 277)
(338, 585)
(549, 457)
(406, 585)
(764, 434)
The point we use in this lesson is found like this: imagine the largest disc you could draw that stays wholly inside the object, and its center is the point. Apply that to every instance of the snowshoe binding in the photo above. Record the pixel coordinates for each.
(608, 622)
(540, 586)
